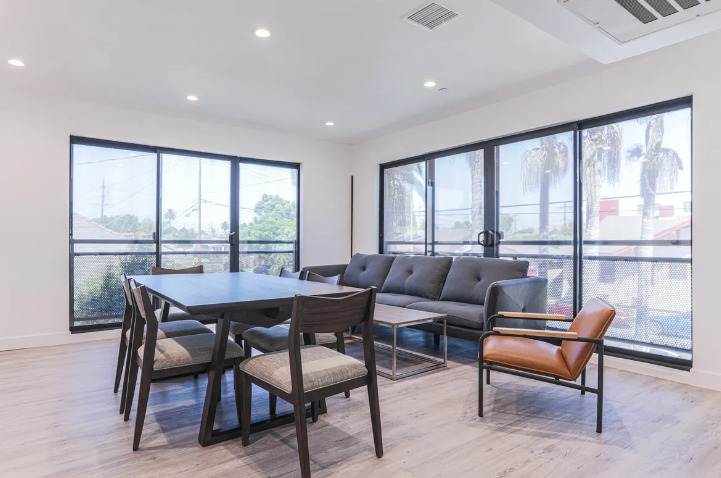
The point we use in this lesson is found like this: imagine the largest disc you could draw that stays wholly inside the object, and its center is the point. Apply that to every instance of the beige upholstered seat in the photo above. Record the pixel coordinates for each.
(188, 350)
(178, 328)
(273, 339)
(321, 367)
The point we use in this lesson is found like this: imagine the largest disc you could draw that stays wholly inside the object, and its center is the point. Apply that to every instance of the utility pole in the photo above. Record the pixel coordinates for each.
(102, 202)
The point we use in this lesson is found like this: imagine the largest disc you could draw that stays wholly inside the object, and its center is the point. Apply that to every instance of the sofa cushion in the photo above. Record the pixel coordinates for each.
(470, 277)
(418, 275)
(398, 300)
(458, 313)
(367, 270)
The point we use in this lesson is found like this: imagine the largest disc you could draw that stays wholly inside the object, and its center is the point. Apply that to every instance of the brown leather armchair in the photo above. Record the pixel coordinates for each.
(528, 353)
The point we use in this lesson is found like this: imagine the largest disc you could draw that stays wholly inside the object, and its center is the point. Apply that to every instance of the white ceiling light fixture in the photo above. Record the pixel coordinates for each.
(191, 98)
(262, 33)
(16, 62)
(329, 123)
(429, 84)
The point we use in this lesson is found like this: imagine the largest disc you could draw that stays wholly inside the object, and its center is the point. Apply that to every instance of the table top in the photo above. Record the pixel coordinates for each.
(212, 293)
(391, 316)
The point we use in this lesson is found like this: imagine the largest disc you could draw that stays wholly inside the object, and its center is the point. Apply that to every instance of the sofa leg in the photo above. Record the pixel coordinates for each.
(436, 340)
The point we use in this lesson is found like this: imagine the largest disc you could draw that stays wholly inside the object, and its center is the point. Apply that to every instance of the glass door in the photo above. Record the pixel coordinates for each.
(195, 213)
(536, 211)
(268, 217)
(458, 201)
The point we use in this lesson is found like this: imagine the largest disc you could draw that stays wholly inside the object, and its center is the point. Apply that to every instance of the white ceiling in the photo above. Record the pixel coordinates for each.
(354, 62)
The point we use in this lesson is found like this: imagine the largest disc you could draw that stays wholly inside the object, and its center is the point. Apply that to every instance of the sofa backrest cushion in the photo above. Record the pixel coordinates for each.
(420, 276)
(367, 270)
(470, 277)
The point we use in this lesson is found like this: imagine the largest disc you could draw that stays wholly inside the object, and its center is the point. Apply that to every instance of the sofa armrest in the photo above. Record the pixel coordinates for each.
(536, 333)
(529, 294)
(327, 270)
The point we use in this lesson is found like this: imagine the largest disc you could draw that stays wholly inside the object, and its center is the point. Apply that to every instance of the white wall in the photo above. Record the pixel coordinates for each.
(34, 197)
(681, 70)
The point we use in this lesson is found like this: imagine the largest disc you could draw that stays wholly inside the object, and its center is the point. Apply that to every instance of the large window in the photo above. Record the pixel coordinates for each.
(602, 208)
(133, 207)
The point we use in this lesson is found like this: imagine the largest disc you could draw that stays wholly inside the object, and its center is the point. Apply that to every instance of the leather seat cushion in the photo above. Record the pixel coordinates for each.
(526, 354)
(321, 367)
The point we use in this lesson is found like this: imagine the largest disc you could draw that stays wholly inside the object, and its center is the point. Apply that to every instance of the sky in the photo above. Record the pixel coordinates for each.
(127, 180)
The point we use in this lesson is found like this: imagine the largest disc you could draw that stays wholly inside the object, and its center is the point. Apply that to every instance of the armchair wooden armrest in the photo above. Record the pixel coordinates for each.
(529, 315)
(538, 333)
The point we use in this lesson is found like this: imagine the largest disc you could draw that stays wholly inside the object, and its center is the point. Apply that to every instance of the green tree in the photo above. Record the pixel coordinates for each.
(400, 185)
(275, 220)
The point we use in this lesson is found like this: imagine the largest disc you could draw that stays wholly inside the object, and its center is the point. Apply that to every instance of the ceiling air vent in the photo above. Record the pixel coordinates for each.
(430, 16)
(626, 20)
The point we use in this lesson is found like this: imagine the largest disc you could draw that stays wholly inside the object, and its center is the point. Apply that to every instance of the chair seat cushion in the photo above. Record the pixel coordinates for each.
(272, 339)
(321, 366)
(188, 350)
(526, 354)
(458, 313)
(178, 328)
(398, 300)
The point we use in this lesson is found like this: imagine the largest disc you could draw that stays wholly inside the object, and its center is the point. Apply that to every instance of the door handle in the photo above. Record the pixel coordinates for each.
(483, 242)
(231, 239)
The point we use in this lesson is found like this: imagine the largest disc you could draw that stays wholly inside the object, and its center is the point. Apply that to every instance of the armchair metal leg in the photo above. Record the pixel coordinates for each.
(488, 376)
(480, 379)
(599, 398)
(583, 380)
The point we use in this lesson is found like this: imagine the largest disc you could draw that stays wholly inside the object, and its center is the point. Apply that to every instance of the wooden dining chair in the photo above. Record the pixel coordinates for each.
(175, 313)
(161, 358)
(176, 328)
(275, 338)
(528, 353)
(309, 374)
(261, 317)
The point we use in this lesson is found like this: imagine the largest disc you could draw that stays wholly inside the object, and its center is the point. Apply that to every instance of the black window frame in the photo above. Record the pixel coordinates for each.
(490, 151)
(235, 162)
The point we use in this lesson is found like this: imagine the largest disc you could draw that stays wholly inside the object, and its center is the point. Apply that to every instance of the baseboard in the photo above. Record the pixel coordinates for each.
(694, 377)
(59, 338)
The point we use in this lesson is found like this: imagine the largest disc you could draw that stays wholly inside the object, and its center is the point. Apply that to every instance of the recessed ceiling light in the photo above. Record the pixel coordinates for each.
(429, 84)
(15, 62)
(329, 123)
(262, 33)
(192, 98)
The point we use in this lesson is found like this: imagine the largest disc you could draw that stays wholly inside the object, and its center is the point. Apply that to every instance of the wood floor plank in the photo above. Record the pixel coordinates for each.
(58, 417)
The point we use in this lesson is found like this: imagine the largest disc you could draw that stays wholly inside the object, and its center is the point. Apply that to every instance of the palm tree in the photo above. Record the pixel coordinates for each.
(400, 185)
(659, 173)
(542, 168)
(475, 161)
(170, 215)
(601, 162)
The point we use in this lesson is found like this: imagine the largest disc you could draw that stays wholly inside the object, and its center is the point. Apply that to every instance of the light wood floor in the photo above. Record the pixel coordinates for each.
(58, 417)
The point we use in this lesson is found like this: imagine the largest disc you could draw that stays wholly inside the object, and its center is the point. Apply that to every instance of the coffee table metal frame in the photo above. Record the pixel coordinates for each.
(434, 362)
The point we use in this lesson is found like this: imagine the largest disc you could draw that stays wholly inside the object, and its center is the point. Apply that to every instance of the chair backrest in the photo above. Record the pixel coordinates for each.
(129, 307)
(288, 274)
(593, 320)
(156, 271)
(314, 314)
(145, 317)
(313, 277)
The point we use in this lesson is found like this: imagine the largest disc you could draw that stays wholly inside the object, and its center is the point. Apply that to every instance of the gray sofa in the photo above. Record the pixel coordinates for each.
(468, 289)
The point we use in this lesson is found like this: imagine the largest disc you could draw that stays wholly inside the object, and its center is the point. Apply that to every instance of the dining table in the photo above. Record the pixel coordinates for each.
(230, 296)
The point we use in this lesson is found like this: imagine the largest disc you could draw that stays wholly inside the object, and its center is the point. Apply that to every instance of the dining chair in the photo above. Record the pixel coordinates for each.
(176, 328)
(175, 313)
(309, 374)
(161, 358)
(261, 317)
(275, 338)
(528, 353)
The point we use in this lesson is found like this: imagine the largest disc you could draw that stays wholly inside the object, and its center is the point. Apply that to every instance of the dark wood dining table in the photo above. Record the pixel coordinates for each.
(230, 296)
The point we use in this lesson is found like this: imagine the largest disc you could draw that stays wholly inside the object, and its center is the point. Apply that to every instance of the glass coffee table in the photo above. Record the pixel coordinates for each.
(397, 317)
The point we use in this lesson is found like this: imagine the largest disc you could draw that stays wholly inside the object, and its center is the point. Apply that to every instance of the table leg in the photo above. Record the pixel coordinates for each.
(215, 374)
(445, 343)
(393, 355)
(165, 312)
